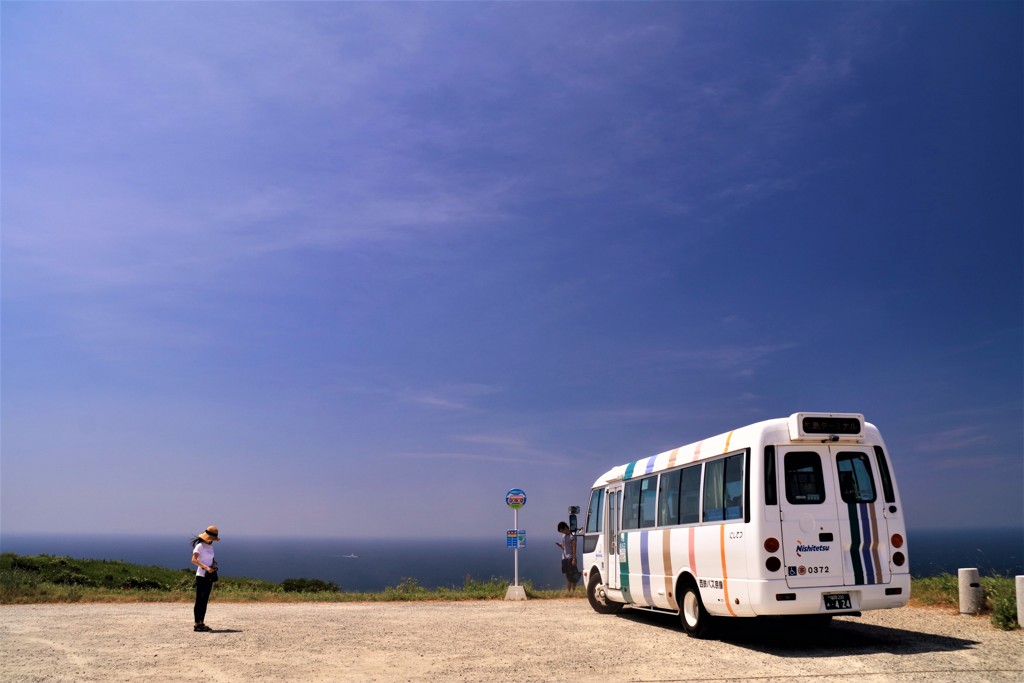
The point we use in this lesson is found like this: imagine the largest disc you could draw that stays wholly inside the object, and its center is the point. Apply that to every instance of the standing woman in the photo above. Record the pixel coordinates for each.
(202, 557)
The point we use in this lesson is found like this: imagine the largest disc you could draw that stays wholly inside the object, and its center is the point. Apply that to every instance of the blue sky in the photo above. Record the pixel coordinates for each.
(358, 269)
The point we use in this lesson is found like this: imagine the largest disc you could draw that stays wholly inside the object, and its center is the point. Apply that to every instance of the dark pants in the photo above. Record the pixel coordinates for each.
(203, 588)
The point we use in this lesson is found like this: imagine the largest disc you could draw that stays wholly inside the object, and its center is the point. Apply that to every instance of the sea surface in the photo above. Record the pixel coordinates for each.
(353, 564)
(374, 564)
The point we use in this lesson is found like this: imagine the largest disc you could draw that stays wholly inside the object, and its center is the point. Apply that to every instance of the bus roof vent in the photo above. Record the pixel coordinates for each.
(826, 427)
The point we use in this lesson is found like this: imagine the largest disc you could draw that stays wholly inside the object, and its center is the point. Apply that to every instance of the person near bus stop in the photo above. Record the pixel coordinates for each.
(568, 546)
(206, 568)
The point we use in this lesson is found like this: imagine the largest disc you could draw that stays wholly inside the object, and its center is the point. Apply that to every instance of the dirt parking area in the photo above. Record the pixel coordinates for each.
(549, 640)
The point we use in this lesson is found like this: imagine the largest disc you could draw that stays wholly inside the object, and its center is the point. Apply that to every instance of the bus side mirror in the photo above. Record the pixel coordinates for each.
(573, 523)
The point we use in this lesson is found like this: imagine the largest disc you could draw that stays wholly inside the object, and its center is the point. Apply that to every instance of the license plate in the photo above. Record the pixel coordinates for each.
(838, 601)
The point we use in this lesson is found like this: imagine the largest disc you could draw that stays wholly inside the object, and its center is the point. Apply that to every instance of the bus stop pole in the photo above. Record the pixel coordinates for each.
(515, 525)
(515, 499)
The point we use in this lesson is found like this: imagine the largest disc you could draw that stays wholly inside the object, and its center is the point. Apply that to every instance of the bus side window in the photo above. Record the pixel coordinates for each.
(668, 498)
(883, 471)
(771, 493)
(594, 521)
(805, 484)
(648, 498)
(639, 503)
(723, 489)
(689, 490)
(734, 487)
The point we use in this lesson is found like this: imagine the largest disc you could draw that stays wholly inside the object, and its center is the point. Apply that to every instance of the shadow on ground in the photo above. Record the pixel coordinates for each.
(788, 638)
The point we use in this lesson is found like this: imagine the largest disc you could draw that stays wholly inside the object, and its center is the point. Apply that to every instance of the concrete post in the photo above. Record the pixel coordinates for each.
(972, 597)
(1020, 599)
(515, 593)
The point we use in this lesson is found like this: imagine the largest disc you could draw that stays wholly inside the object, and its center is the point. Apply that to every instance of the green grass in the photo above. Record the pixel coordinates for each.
(944, 591)
(47, 578)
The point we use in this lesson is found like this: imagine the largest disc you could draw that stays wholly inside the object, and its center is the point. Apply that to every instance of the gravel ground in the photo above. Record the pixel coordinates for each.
(539, 640)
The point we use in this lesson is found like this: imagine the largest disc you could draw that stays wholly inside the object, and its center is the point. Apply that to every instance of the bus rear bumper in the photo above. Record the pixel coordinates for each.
(777, 598)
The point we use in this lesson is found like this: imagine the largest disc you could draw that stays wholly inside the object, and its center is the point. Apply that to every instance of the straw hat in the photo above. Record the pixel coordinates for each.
(210, 535)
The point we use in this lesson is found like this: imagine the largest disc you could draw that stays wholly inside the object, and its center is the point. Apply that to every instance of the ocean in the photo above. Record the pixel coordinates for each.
(374, 564)
(354, 564)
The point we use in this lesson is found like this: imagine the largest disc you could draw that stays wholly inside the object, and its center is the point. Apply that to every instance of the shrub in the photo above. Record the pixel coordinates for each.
(73, 578)
(1001, 599)
(16, 582)
(134, 582)
(944, 591)
(309, 586)
(408, 589)
(66, 564)
(249, 586)
(940, 591)
(495, 587)
(25, 564)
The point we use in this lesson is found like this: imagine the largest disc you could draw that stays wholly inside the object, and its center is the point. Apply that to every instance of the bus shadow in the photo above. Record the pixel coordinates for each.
(785, 638)
(842, 638)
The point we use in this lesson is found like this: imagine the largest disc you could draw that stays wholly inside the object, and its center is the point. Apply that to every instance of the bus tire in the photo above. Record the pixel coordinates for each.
(598, 600)
(695, 619)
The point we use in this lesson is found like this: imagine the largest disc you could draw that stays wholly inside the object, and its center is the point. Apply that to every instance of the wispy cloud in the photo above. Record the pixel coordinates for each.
(734, 359)
(973, 462)
(493, 440)
(960, 439)
(497, 447)
(627, 414)
(455, 397)
(550, 459)
(196, 152)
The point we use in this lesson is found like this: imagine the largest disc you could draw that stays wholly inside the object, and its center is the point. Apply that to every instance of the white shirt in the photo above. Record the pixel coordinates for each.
(205, 551)
(568, 547)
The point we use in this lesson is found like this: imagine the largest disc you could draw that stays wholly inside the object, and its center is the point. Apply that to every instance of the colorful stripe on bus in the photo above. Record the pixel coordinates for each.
(650, 552)
(864, 544)
(624, 566)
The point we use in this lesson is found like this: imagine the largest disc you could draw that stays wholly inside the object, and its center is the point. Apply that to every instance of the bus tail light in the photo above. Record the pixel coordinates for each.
(773, 564)
(897, 541)
(898, 559)
(772, 545)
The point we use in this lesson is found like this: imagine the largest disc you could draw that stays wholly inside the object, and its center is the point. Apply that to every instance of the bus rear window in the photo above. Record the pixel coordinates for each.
(805, 484)
(855, 482)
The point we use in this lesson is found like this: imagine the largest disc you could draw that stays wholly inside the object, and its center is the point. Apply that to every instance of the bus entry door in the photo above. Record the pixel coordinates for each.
(611, 538)
(862, 522)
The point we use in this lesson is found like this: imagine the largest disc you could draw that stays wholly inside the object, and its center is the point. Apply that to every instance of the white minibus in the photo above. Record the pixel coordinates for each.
(792, 516)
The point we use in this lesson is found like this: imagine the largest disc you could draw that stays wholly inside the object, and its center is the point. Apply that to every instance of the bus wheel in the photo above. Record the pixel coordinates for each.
(695, 619)
(598, 600)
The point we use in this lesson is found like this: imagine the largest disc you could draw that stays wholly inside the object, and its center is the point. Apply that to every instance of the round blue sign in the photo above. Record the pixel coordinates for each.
(515, 498)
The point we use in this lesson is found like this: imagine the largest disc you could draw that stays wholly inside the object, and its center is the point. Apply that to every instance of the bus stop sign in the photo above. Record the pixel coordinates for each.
(515, 498)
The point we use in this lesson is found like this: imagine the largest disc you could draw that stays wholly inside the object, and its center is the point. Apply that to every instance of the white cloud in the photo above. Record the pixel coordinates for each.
(455, 397)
